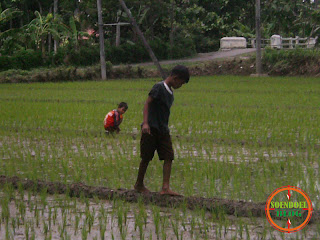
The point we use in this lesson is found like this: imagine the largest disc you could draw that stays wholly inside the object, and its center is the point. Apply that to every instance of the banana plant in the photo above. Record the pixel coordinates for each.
(9, 40)
(8, 14)
(74, 33)
(39, 28)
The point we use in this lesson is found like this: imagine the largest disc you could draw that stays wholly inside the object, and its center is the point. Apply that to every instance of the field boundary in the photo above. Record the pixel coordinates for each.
(230, 207)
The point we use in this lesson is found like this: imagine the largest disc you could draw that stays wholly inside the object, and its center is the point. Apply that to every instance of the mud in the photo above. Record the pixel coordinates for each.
(230, 207)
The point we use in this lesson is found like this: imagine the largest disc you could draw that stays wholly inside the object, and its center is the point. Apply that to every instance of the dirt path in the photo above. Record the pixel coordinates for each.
(230, 207)
(201, 57)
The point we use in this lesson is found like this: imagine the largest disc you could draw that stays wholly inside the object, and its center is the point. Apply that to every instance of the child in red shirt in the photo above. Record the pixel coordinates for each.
(114, 118)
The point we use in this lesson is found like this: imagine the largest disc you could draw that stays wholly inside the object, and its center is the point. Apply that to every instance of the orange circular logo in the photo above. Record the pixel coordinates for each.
(289, 203)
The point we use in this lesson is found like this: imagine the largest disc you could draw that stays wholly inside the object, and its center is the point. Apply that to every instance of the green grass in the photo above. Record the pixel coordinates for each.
(234, 137)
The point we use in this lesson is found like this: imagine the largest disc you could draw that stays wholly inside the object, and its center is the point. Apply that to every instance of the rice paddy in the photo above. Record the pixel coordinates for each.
(237, 138)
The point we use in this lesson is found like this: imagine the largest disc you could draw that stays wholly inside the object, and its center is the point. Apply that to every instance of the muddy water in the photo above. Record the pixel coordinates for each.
(70, 218)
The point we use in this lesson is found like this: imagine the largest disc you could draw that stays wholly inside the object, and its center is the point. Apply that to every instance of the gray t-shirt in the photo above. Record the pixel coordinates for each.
(159, 109)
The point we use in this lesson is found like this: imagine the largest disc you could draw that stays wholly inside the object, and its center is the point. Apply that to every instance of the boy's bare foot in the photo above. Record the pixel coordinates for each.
(169, 192)
(141, 189)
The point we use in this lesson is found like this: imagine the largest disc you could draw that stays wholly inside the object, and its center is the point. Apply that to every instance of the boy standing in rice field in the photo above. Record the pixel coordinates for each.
(155, 131)
(114, 118)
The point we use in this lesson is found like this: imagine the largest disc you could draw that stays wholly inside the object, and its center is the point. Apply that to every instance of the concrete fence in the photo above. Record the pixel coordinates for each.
(276, 42)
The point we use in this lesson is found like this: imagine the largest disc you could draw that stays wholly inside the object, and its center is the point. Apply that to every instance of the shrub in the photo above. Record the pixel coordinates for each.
(13, 76)
(126, 53)
(5, 63)
(293, 56)
(89, 55)
(85, 56)
(183, 47)
(115, 54)
(27, 59)
(136, 52)
(294, 61)
(206, 44)
(161, 48)
(22, 59)
(58, 74)
(58, 57)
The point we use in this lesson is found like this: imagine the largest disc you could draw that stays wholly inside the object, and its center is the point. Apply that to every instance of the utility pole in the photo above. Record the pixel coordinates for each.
(55, 12)
(118, 24)
(144, 41)
(172, 28)
(101, 42)
(258, 39)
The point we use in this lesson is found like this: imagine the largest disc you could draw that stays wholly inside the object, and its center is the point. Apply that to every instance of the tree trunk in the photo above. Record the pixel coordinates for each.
(76, 12)
(22, 7)
(316, 4)
(40, 7)
(49, 43)
(258, 39)
(55, 12)
(101, 40)
(49, 36)
(28, 17)
(152, 19)
(118, 35)
(134, 35)
(144, 41)
(172, 28)
(43, 48)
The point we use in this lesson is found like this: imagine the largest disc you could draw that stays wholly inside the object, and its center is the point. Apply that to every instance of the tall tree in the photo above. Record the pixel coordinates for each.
(101, 38)
(258, 38)
(171, 36)
(144, 41)
(55, 12)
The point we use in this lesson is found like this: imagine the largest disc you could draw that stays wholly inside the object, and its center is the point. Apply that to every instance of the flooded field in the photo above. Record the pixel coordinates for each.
(234, 138)
(59, 217)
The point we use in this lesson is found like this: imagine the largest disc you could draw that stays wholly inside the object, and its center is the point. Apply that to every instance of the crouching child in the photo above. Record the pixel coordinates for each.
(114, 118)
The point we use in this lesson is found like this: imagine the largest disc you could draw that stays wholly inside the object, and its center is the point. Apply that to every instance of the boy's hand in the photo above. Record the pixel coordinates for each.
(145, 128)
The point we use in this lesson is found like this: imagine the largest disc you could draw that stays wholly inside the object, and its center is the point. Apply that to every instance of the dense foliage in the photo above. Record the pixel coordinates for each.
(174, 28)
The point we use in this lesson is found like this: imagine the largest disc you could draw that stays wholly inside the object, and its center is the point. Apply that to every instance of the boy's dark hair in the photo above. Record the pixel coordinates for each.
(181, 72)
(123, 104)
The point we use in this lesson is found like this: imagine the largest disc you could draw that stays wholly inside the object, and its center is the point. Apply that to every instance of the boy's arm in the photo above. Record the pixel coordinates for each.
(145, 126)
